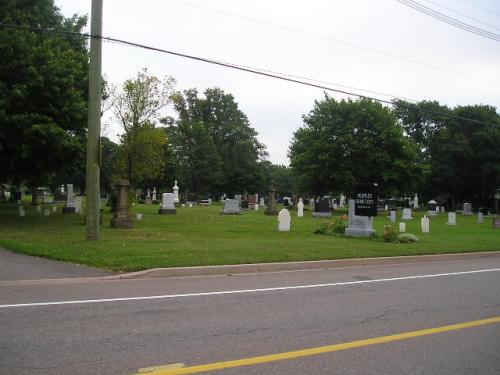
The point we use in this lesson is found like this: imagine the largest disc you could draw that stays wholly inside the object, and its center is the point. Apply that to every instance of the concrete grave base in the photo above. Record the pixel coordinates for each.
(69, 210)
(222, 212)
(322, 214)
(122, 221)
(359, 232)
(167, 211)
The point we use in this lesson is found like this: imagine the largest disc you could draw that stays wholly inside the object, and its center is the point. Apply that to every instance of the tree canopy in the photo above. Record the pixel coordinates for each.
(43, 92)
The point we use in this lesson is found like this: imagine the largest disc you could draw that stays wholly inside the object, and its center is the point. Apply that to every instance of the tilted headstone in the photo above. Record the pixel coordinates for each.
(69, 207)
(300, 208)
(358, 226)
(452, 218)
(167, 204)
(231, 207)
(467, 211)
(322, 208)
(175, 191)
(425, 224)
(406, 214)
(284, 220)
(122, 217)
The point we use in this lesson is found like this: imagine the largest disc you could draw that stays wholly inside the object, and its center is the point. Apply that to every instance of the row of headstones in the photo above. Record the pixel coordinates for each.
(150, 198)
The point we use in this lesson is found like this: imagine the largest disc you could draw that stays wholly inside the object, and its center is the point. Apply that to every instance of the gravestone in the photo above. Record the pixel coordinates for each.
(386, 208)
(392, 216)
(443, 210)
(342, 200)
(206, 202)
(167, 204)
(300, 208)
(231, 207)
(154, 195)
(358, 226)
(402, 227)
(239, 198)
(46, 212)
(148, 199)
(139, 217)
(452, 218)
(22, 211)
(425, 224)
(262, 202)
(312, 203)
(122, 217)
(480, 218)
(253, 199)
(284, 220)
(432, 209)
(485, 211)
(256, 207)
(415, 202)
(69, 207)
(467, 211)
(78, 205)
(271, 209)
(175, 191)
(38, 208)
(406, 214)
(322, 208)
(244, 204)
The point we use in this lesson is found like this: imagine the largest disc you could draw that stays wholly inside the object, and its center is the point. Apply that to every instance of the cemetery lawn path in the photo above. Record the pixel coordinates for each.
(200, 236)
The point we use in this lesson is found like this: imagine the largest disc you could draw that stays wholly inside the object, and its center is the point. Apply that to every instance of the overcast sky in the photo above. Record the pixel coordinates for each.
(381, 45)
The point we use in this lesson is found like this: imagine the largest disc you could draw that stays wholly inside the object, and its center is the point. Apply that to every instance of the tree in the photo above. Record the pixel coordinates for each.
(464, 156)
(230, 150)
(138, 107)
(347, 142)
(43, 92)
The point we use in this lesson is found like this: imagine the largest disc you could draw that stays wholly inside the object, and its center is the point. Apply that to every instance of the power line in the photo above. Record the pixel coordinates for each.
(480, 7)
(463, 14)
(279, 76)
(338, 41)
(449, 20)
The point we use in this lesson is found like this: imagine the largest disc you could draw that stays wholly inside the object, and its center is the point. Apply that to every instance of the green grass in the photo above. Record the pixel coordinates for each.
(201, 236)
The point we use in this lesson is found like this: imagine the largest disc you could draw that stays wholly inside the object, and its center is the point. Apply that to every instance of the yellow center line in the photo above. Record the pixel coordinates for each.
(324, 349)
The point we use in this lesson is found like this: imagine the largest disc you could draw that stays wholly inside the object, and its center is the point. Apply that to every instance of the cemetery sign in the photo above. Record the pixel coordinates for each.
(366, 199)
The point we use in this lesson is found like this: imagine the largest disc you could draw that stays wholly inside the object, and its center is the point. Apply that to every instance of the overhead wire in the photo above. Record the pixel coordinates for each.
(278, 76)
(334, 40)
(481, 7)
(450, 20)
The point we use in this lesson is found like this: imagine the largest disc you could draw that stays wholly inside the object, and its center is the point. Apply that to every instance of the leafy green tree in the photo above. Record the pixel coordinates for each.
(138, 108)
(43, 92)
(347, 142)
(230, 152)
(109, 153)
(465, 158)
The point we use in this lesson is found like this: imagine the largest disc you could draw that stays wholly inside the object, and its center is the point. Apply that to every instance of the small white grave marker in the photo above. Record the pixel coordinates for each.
(46, 212)
(38, 208)
(300, 208)
(284, 220)
(480, 218)
(139, 216)
(393, 216)
(452, 218)
(402, 227)
(424, 223)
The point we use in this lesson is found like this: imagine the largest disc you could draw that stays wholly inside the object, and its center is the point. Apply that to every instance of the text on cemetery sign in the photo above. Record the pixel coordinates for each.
(366, 199)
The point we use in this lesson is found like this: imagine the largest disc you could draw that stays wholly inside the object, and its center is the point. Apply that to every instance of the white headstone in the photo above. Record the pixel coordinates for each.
(480, 218)
(443, 209)
(78, 205)
(175, 191)
(284, 220)
(342, 200)
(190, 205)
(22, 212)
(467, 209)
(386, 208)
(139, 216)
(54, 208)
(406, 214)
(183, 205)
(300, 208)
(262, 202)
(402, 227)
(154, 194)
(167, 201)
(452, 218)
(46, 212)
(231, 206)
(69, 196)
(148, 194)
(415, 202)
(311, 203)
(335, 206)
(425, 224)
(256, 207)
(38, 208)
(393, 216)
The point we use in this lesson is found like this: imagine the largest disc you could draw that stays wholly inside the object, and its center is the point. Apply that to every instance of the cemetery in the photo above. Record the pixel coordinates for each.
(205, 235)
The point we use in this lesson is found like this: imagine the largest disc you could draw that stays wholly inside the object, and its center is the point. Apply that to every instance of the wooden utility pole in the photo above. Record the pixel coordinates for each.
(94, 124)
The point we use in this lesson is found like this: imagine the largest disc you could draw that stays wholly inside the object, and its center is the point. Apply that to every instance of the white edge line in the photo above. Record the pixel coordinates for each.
(167, 296)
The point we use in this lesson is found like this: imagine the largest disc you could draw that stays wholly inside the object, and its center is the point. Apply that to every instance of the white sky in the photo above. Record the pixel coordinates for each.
(275, 108)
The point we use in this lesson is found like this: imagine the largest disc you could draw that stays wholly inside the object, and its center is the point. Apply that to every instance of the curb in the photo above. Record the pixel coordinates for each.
(298, 266)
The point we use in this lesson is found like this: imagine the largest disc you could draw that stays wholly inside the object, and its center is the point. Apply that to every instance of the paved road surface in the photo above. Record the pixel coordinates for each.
(193, 323)
(15, 266)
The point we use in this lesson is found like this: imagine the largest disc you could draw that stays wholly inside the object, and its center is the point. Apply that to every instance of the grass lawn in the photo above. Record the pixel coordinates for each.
(201, 236)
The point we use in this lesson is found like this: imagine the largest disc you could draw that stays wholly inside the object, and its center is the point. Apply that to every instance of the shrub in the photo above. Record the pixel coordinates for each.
(407, 238)
(390, 234)
(336, 226)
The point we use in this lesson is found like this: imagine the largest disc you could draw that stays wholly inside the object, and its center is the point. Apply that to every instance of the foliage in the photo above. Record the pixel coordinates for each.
(214, 147)
(109, 151)
(407, 238)
(43, 91)
(347, 142)
(138, 106)
(336, 226)
(390, 234)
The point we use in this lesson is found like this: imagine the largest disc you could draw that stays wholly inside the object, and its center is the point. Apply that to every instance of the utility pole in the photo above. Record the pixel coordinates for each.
(94, 124)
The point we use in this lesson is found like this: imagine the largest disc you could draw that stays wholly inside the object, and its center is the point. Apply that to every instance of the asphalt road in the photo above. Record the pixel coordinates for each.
(202, 320)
